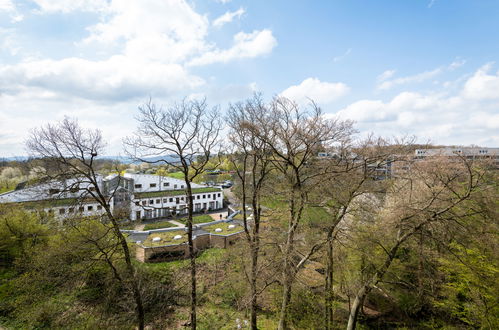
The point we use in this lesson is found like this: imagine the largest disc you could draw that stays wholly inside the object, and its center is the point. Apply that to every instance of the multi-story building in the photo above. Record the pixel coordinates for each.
(142, 196)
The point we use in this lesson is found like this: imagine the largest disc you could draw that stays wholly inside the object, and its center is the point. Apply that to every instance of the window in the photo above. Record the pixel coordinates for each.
(174, 186)
(62, 211)
(218, 194)
(182, 186)
(165, 200)
(144, 202)
(182, 198)
(204, 196)
(152, 185)
(151, 201)
(158, 201)
(81, 209)
(71, 210)
(99, 207)
(138, 186)
(166, 184)
(177, 200)
(137, 203)
(198, 196)
(171, 200)
(209, 195)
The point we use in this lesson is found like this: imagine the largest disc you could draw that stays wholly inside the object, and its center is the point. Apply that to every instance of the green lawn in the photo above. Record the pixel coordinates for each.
(166, 238)
(176, 175)
(197, 219)
(158, 225)
(225, 228)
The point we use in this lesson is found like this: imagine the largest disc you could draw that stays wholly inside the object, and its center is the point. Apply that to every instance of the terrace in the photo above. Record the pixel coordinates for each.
(165, 238)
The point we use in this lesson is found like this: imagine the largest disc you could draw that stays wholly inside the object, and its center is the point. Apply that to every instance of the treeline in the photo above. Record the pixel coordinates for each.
(330, 242)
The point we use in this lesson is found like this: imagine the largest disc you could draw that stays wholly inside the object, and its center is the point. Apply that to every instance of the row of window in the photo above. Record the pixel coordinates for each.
(177, 199)
(80, 209)
(154, 185)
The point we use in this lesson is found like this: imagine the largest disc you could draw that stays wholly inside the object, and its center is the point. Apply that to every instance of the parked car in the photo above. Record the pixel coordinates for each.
(227, 184)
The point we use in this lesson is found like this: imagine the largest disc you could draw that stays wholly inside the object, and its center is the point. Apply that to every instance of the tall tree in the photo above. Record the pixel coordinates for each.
(294, 136)
(250, 157)
(427, 195)
(69, 153)
(184, 137)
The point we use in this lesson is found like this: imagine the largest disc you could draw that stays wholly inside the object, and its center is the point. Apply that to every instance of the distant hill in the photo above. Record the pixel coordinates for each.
(121, 159)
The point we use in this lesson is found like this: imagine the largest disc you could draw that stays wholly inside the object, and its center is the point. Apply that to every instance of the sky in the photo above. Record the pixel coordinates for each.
(423, 68)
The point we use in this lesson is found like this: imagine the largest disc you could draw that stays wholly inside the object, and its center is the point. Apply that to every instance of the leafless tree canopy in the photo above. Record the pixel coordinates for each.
(188, 131)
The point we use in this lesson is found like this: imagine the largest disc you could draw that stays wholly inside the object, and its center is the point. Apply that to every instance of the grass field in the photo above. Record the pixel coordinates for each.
(197, 219)
(158, 225)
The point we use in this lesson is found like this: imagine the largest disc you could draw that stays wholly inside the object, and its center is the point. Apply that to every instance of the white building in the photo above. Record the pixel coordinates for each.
(144, 196)
(470, 153)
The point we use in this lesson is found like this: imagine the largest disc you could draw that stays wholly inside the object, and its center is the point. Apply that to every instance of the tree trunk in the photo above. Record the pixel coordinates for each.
(329, 296)
(129, 267)
(286, 298)
(192, 255)
(356, 307)
(254, 266)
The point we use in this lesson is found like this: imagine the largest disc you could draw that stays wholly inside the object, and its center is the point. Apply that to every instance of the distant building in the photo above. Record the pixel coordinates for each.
(143, 196)
(469, 153)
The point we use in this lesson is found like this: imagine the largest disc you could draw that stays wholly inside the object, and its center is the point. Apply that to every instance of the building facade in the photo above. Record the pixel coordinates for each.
(141, 196)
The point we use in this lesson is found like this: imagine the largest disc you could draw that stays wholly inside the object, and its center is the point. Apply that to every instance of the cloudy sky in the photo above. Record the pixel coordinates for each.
(428, 68)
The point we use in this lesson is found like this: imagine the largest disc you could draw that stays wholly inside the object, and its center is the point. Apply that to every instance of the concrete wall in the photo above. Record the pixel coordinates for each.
(162, 253)
(202, 242)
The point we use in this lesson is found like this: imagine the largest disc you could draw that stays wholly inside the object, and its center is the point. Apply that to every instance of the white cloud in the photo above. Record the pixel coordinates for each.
(384, 82)
(141, 48)
(117, 78)
(228, 17)
(468, 115)
(482, 85)
(246, 45)
(420, 77)
(9, 41)
(65, 6)
(9, 7)
(167, 30)
(316, 90)
(151, 42)
(386, 75)
(339, 58)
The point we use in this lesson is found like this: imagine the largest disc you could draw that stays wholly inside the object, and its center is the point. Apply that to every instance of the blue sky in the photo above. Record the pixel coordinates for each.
(415, 67)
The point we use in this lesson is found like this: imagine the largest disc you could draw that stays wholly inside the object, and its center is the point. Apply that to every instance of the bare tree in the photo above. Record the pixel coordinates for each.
(251, 161)
(351, 171)
(427, 195)
(183, 136)
(69, 152)
(294, 137)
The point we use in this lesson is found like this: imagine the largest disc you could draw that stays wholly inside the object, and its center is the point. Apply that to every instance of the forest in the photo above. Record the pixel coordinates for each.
(365, 236)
